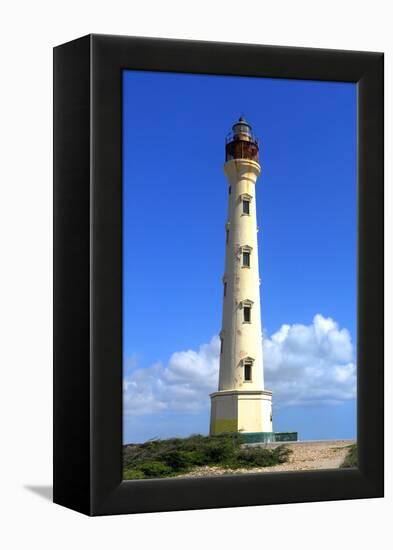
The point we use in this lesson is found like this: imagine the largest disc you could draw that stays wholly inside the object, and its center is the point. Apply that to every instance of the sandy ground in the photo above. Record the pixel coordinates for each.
(307, 455)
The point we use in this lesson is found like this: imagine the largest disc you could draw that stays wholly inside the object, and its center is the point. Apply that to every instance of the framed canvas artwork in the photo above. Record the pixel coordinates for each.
(218, 274)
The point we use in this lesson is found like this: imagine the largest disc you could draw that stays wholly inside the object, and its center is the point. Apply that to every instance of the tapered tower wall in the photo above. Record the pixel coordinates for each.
(241, 402)
(241, 339)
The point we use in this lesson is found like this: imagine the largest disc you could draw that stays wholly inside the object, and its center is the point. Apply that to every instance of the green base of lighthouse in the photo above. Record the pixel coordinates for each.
(268, 437)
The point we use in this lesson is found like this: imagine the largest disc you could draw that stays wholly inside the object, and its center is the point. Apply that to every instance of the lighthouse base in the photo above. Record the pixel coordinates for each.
(245, 411)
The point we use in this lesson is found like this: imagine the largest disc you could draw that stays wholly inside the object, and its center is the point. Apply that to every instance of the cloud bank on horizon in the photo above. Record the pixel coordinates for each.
(303, 364)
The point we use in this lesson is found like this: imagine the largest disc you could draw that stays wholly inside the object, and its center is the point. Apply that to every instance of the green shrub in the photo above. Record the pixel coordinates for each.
(177, 460)
(133, 474)
(168, 457)
(155, 469)
(257, 456)
(281, 453)
(254, 457)
(351, 460)
(217, 450)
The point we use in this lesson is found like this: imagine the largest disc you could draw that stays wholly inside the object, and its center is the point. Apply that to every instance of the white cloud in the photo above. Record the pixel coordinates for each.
(183, 385)
(303, 364)
(307, 364)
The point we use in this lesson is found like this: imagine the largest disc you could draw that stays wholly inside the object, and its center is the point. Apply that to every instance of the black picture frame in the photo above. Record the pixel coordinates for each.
(88, 274)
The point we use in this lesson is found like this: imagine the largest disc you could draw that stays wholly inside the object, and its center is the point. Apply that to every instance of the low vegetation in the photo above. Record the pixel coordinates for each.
(172, 457)
(351, 459)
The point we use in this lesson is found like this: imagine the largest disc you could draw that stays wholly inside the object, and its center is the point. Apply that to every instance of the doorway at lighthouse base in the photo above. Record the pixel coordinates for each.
(244, 411)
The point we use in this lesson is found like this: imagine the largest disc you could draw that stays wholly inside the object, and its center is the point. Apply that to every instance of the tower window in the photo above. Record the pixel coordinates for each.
(246, 259)
(244, 255)
(229, 190)
(247, 314)
(227, 236)
(222, 346)
(225, 288)
(246, 206)
(247, 371)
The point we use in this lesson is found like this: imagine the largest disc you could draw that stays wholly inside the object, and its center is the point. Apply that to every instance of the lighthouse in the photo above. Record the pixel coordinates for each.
(241, 404)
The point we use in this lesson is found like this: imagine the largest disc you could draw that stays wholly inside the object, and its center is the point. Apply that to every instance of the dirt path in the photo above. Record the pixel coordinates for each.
(307, 455)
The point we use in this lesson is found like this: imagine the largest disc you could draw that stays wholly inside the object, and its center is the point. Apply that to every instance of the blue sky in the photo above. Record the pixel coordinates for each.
(175, 194)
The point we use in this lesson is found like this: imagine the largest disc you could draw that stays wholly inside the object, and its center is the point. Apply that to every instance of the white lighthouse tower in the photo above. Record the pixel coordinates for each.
(241, 403)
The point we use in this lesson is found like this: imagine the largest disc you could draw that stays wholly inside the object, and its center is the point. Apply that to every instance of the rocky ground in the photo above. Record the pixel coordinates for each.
(307, 455)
